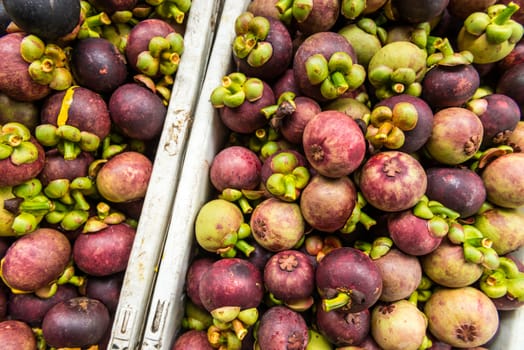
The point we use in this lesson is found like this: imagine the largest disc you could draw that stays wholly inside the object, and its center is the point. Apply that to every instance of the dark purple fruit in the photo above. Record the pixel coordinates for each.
(17, 335)
(26, 113)
(111, 6)
(463, 8)
(348, 280)
(195, 271)
(263, 47)
(56, 167)
(79, 107)
(44, 18)
(124, 177)
(289, 276)
(104, 252)
(231, 282)
(466, 185)
(31, 309)
(36, 259)
(511, 83)
(294, 121)
(15, 80)
(333, 143)
(343, 328)
(281, 327)
(137, 112)
(77, 322)
(97, 64)
(392, 181)
(320, 17)
(420, 11)
(106, 289)
(192, 339)
(327, 203)
(235, 167)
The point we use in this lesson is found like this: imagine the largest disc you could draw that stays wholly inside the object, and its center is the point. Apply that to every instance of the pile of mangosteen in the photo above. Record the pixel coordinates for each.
(84, 91)
(370, 192)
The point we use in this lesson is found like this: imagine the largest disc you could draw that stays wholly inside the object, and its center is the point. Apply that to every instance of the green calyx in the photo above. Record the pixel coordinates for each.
(336, 75)
(249, 43)
(288, 177)
(504, 281)
(235, 89)
(444, 54)
(47, 63)
(15, 144)
(163, 55)
(351, 9)
(172, 9)
(358, 217)
(294, 9)
(495, 23)
(69, 140)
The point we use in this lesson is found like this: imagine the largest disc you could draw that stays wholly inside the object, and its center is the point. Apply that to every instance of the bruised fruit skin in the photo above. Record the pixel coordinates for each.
(343, 328)
(17, 335)
(36, 259)
(334, 144)
(280, 328)
(76, 322)
(392, 181)
(462, 317)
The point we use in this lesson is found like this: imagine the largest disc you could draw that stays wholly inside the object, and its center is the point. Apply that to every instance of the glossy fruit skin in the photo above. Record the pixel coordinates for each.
(56, 167)
(235, 167)
(341, 328)
(17, 335)
(76, 322)
(45, 18)
(12, 174)
(511, 83)
(499, 119)
(282, 327)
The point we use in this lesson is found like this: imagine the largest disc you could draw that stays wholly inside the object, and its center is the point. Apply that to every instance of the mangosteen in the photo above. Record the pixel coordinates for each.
(76, 322)
(277, 225)
(111, 6)
(97, 64)
(56, 167)
(281, 327)
(503, 226)
(421, 11)
(325, 67)
(343, 328)
(262, 47)
(194, 273)
(327, 203)
(388, 325)
(348, 280)
(106, 289)
(463, 8)
(511, 83)
(286, 83)
(456, 135)
(104, 252)
(469, 193)
(137, 112)
(16, 335)
(35, 260)
(392, 181)
(124, 177)
(26, 113)
(462, 317)
(294, 117)
(44, 18)
(516, 139)
(235, 167)
(503, 180)
(15, 80)
(316, 16)
(333, 143)
(192, 339)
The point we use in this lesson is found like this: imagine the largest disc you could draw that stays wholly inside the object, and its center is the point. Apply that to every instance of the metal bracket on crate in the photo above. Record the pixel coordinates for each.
(122, 326)
(153, 335)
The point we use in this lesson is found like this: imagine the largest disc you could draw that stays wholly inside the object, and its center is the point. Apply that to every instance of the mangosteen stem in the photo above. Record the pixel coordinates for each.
(24, 223)
(341, 300)
(244, 247)
(302, 9)
(504, 15)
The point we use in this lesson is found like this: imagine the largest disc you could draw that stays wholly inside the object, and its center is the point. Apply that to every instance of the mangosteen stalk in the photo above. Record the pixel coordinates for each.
(284, 107)
(297, 9)
(351, 9)
(358, 216)
(506, 280)
(249, 43)
(92, 25)
(175, 9)
(163, 55)
(376, 249)
(483, 157)
(15, 143)
(196, 317)
(235, 89)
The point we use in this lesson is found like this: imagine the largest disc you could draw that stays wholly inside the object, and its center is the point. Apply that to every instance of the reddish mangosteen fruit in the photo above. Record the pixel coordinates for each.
(231, 282)
(392, 181)
(281, 327)
(516, 56)
(192, 339)
(504, 182)
(194, 273)
(35, 260)
(333, 143)
(511, 83)
(295, 115)
(262, 47)
(411, 234)
(124, 177)
(327, 203)
(465, 185)
(17, 335)
(286, 83)
(318, 16)
(235, 167)
(456, 136)
(343, 328)
(325, 67)
(137, 112)
(56, 167)
(15, 80)
(97, 64)
(277, 225)
(27, 158)
(348, 280)
(76, 322)
(104, 252)
(31, 308)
